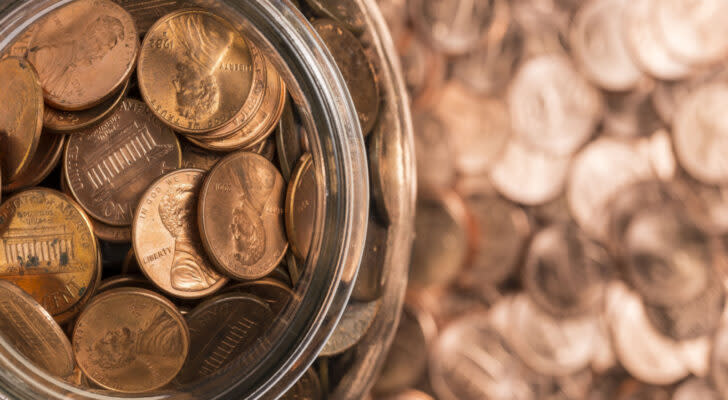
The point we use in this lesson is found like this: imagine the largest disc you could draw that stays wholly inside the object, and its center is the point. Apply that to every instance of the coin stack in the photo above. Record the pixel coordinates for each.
(160, 130)
(571, 229)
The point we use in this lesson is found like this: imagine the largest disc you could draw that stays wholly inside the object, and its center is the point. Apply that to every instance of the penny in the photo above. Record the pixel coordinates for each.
(440, 249)
(241, 216)
(631, 114)
(695, 32)
(301, 206)
(552, 107)
(222, 329)
(346, 13)
(424, 69)
(551, 346)
(385, 167)
(196, 157)
(668, 97)
(195, 71)
(21, 117)
(277, 294)
(283, 273)
(353, 325)
(707, 205)
(69, 315)
(32, 331)
(437, 170)
(110, 233)
(288, 141)
(700, 135)
(166, 238)
(566, 273)
(598, 43)
(58, 121)
(409, 395)
(453, 27)
(126, 332)
(356, 69)
(719, 360)
(122, 281)
(147, 12)
(109, 166)
(529, 175)
(370, 279)
(19, 48)
(696, 388)
(45, 159)
(307, 387)
(84, 53)
(49, 250)
(130, 266)
(600, 170)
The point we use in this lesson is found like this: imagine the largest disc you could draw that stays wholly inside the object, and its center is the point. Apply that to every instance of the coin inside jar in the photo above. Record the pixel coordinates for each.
(308, 387)
(241, 216)
(166, 238)
(84, 52)
(301, 206)
(50, 251)
(277, 294)
(58, 121)
(353, 325)
(194, 70)
(109, 167)
(130, 340)
(45, 159)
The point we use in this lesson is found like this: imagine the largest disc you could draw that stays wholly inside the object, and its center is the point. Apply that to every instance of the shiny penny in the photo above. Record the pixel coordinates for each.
(49, 249)
(353, 325)
(195, 71)
(21, 117)
(356, 69)
(166, 238)
(84, 52)
(110, 166)
(45, 159)
(241, 216)
(301, 206)
(33, 332)
(130, 340)
(58, 121)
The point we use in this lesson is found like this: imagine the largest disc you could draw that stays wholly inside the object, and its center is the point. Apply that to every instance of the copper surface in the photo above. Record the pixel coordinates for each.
(301, 206)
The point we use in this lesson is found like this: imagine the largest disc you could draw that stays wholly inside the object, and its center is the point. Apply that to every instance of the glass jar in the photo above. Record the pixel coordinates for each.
(335, 141)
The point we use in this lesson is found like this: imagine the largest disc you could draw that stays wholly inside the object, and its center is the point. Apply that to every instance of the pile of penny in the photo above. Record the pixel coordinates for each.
(572, 222)
(159, 196)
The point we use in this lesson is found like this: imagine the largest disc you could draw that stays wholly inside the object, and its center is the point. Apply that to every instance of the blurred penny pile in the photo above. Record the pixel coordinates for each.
(572, 221)
(159, 194)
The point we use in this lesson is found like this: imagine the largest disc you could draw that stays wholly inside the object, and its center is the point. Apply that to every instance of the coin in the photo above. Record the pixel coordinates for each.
(58, 121)
(718, 362)
(84, 52)
(370, 279)
(241, 216)
(700, 134)
(130, 266)
(551, 106)
(21, 117)
(424, 69)
(346, 13)
(67, 316)
(353, 325)
(121, 281)
(110, 233)
(409, 395)
(109, 166)
(147, 12)
(452, 27)
(166, 238)
(308, 387)
(437, 170)
(277, 294)
(356, 69)
(695, 32)
(126, 332)
(288, 142)
(45, 159)
(33, 332)
(696, 388)
(385, 167)
(301, 206)
(195, 71)
(196, 157)
(49, 250)
(19, 48)
(222, 329)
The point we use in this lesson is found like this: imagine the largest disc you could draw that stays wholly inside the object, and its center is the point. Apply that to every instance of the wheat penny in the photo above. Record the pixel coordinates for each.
(109, 167)
(241, 216)
(21, 116)
(84, 52)
(45, 159)
(194, 71)
(166, 238)
(58, 121)
(301, 206)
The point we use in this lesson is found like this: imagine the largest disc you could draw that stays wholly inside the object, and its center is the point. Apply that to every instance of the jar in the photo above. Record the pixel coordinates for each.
(336, 143)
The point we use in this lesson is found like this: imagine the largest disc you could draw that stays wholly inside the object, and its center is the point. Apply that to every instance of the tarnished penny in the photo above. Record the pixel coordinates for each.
(288, 141)
(273, 292)
(67, 316)
(21, 116)
(301, 206)
(195, 71)
(130, 340)
(196, 157)
(33, 332)
(241, 216)
(222, 329)
(147, 12)
(111, 233)
(58, 121)
(166, 238)
(347, 13)
(306, 388)
(48, 247)
(353, 325)
(370, 280)
(356, 69)
(19, 48)
(84, 52)
(45, 159)
(110, 166)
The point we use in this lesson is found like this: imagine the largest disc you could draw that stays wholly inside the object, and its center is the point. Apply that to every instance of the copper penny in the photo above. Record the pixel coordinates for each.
(241, 216)
(196, 157)
(33, 332)
(355, 67)
(308, 387)
(58, 121)
(696, 388)
(121, 281)
(353, 325)
(128, 333)
(453, 27)
(370, 280)
(222, 329)
(408, 395)
(67, 316)
(166, 238)
(719, 360)
(694, 32)
(277, 294)
(45, 159)
(84, 52)
(19, 48)
(111, 233)
(195, 71)
(130, 265)
(301, 206)
(347, 13)
(48, 247)
(21, 117)
(435, 152)
(288, 141)
(147, 12)
(109, 167)
(424, 69)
